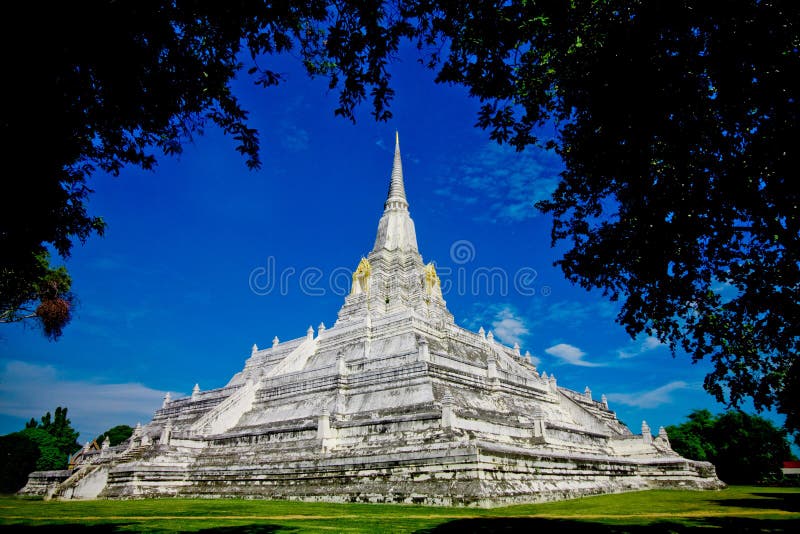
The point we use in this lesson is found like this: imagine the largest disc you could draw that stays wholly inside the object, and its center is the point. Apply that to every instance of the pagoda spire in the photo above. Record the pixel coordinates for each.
(396, 229)
(396, 200)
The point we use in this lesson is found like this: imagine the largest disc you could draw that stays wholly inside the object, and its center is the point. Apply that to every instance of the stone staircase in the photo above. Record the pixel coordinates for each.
(70, 483)
(227, 413)
(132, 454)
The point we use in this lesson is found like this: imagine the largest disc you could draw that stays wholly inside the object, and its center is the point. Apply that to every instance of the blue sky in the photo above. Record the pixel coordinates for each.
(203, 258)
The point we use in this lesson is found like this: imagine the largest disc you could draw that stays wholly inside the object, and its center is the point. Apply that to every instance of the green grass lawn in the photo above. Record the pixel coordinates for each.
(736, 509)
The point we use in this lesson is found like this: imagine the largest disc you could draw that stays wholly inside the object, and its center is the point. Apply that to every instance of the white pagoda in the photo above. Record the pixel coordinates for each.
(393, 403)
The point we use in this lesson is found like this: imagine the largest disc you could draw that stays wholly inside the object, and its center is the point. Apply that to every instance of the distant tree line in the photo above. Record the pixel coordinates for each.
(745, 449)
(115, 435)
(44, 445)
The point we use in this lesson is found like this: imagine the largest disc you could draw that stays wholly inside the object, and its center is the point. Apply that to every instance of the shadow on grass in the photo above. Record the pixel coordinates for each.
(486, 526)
(788, 502)
(117, 528)
(506, 525)
(66, 528)
(247, 529)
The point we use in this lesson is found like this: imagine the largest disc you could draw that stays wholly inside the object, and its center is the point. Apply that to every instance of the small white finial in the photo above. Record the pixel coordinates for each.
(482, 332)
(646, 435)
(254, 349)
(166, 432)
(662, 435)
(167, 400)
(530, 360)
(588, 393)
(275, 341)
(490, 337)
(195, 391)
(310, 332)
(321, 328)
(516, 349)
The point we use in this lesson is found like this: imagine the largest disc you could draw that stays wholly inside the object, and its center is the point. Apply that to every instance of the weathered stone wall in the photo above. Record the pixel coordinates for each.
(482, 475)
(42, 483)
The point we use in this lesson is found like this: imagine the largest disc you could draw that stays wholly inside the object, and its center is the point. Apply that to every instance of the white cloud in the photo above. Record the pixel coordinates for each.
(509, 327)
(29, 390)
(507, 182)
(294, 139)
(649, 399)
(572, 313)
(726, 290)
(649, 343)
(504, 322)
(570, 354)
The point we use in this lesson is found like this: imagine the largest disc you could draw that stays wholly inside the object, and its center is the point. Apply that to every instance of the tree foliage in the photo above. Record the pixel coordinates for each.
(55, 437)
(746, 449)
(116, 435)
(695, 438)
(37, 290)
(43, 445)
(18, 457)
(50, 456)
(108, 94)
(677, 196)
(675, 121)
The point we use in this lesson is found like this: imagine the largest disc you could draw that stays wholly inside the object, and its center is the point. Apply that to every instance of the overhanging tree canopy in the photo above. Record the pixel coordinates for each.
(675, 121)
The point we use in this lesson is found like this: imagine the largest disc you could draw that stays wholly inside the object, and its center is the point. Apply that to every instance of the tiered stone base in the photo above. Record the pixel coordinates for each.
(42, 483)
(481, 474)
